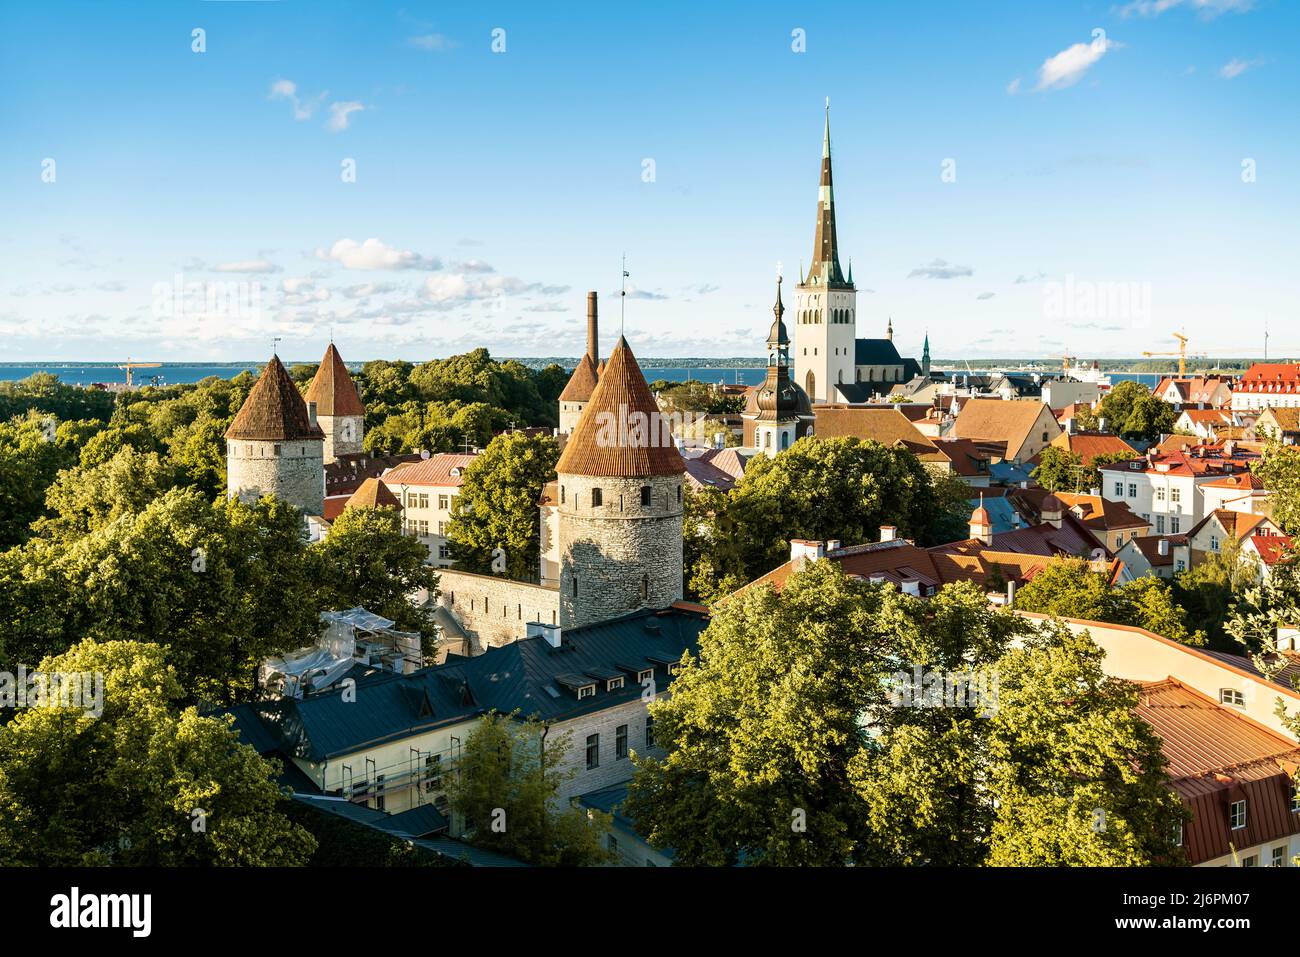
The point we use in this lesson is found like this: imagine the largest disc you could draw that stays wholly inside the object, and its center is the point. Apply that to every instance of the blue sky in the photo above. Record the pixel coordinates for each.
(1007, 179)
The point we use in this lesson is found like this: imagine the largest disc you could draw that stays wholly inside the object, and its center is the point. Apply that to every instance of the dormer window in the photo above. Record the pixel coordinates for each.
(1237, 815)
(613, 684)
(587, 691)
(1233, 697)
(644, 675)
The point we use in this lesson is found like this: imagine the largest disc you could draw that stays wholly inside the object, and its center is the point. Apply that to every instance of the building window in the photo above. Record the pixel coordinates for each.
(649, 732)
(1237, 816)
(1295, 800)
(679, 495)
(1132, 490)
(561, 494)
(613, 684)
(645, 587)
(442, 528)
(575, 586)
(647, 674)
(1232, 696)
(1251, 861)
(1160, 524)
(444, 502)
(1178, 834)
(1175, 523)
(645, 495)
(379, 792)
(1175, 495)
(593, 751)
(444, 552)
(357, 792)
(586, 691)
(432, 773)
(613, 844)
(596, 498)
(1160, 495)
(1119, 489)
(1279, 856)
(620, 742)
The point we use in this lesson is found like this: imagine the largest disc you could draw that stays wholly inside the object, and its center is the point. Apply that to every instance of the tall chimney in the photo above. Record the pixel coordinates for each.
(593, 336)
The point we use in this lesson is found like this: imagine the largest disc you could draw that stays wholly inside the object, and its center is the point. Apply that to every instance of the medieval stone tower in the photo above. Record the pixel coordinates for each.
(274, 446)
(577, 393)
(826, 303)
(620, 502)
(339, 411)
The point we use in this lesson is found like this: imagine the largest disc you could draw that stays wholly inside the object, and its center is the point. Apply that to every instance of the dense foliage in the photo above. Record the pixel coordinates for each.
(791, 741)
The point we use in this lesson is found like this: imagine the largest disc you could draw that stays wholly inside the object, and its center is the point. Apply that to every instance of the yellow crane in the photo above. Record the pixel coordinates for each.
(136, 365)
(1181, 354)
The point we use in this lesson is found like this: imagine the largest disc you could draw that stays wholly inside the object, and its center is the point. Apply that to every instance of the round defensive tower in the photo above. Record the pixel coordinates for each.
(620, 483)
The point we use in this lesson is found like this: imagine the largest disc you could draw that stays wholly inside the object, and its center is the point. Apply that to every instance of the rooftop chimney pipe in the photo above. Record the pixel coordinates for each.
(593, 337)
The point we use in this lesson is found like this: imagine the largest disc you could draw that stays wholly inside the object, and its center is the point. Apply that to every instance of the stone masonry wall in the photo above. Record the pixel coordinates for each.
(605, 723)
(343, 435)
(291, 471)
(618, 556)
(495, 611)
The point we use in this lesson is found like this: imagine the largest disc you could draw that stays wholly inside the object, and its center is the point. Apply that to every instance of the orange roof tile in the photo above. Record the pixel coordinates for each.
(332, 388)
(621, 433)
(444, 470)
(274, 411)
(373, 493)
(581, 383)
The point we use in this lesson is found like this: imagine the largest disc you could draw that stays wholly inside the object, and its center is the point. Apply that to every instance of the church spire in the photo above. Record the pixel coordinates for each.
(826, 257)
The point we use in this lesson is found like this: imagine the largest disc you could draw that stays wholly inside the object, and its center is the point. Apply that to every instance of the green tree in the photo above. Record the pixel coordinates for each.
(366, 560)
(32, 451)
(1132, 411)
(1077, 777)
(505, 789)
(1210, 588)
(817, 489)
(84, 499)
(223, 584)
(497, 505)
(1058, 470)
(1070, 588)
(142, 783)
(1279, 470)
(790, 741)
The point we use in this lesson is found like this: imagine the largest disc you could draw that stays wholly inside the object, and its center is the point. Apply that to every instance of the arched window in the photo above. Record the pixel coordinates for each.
(810, 384)
(840, 378)
(785, 440)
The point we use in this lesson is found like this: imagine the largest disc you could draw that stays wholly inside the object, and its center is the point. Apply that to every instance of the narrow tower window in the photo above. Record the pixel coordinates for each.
(596, 497)
(645, 495)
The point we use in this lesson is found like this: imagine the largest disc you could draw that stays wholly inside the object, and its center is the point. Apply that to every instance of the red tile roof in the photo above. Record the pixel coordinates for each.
(373, 493)
(1089, 445)
(444, 470)
(582, 383)
(1271, 377)
(621, 433)
(1216, 755)
(1273, 549)
(274, 411)
(332, 388)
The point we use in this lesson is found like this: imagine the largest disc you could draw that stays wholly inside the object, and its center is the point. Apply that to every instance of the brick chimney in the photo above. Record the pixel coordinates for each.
(593, 337)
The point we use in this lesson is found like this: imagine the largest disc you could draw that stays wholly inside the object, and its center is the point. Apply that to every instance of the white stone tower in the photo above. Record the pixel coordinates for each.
(620, 483)
(826, 303)
(274, 446)
(339, 411)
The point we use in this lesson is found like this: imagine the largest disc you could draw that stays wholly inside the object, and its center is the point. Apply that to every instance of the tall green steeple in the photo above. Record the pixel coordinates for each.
(925, 357)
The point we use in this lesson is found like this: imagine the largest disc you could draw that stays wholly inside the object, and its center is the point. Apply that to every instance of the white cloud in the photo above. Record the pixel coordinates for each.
(437, 42)
(940, 269)
(248, 265)
(1013, 86)
(340, 114)
(1068, 67)
(373, 254)
(1206, 9)
(288, 90)
(1235, 68)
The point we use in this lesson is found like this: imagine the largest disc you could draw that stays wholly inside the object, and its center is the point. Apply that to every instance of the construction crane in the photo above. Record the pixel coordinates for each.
(1181, 354)
(136, 365)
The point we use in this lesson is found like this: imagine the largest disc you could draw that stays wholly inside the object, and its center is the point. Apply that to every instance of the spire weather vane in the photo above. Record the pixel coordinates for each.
(622, 296)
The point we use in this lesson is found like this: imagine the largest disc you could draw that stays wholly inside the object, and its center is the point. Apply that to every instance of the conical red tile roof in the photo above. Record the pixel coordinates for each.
(373, 493)
(332, 389)
(274, 410)
(607, 441)
(581, 383)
